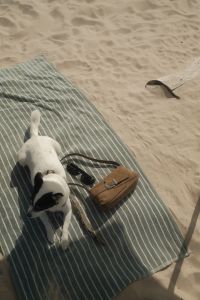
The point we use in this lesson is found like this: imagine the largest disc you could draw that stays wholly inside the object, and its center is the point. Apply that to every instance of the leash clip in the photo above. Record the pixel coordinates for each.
(112, 184)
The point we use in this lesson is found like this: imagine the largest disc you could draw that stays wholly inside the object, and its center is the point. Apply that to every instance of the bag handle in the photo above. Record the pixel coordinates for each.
(108, 162)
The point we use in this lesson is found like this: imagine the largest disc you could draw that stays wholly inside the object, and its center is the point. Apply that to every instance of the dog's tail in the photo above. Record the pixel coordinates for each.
(35, 122)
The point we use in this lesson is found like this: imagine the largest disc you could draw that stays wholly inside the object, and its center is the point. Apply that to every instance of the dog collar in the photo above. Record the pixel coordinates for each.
(49, 172)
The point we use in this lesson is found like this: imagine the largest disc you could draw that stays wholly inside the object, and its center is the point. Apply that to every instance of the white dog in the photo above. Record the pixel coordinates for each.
(48, 177)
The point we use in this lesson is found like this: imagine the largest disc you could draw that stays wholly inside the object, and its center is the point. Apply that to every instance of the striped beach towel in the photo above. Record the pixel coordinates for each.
(141, 237)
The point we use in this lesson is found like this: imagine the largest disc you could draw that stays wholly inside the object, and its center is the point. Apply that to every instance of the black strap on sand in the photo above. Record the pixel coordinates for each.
(103, 161)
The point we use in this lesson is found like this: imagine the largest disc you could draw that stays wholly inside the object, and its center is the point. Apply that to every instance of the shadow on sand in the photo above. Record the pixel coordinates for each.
(44, 260)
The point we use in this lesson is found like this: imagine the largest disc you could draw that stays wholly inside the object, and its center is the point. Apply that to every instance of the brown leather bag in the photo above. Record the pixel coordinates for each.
(114, 187)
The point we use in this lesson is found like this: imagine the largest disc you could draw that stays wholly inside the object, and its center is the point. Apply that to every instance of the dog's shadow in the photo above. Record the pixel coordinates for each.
(53, 266)
(59, 272)
(27, 135)
(20, 179)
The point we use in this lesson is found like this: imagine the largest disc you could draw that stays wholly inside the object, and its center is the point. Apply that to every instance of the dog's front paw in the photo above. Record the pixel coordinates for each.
(51, 236)
(64, 243)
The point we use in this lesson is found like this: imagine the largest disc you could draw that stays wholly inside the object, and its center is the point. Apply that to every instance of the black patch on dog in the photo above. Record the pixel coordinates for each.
(46, 201)
(38, 181)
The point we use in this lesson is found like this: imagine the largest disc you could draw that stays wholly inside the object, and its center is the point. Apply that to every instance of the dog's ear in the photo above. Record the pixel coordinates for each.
(38, 181)
(56, 196)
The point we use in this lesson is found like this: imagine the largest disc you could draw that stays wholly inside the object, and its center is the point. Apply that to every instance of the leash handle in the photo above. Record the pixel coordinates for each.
(108, 162)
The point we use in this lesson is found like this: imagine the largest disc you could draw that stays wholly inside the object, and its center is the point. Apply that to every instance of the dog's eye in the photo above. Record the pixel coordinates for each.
(45, 202)
(38, 207)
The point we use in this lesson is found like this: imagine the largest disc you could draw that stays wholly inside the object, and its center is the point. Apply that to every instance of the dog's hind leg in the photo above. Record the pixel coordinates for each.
(57, 147)
(67, 219)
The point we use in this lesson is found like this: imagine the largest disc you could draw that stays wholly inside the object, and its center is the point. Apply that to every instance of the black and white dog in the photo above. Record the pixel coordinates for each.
(48, 177)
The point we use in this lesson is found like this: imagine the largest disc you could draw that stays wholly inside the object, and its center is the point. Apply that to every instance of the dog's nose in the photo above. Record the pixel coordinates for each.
(29, 215)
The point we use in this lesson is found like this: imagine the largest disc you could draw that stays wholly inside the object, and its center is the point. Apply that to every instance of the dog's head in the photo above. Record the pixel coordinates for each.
(48, 194)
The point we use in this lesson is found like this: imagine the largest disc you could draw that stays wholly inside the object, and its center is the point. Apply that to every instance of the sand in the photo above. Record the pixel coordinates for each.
(111, 49)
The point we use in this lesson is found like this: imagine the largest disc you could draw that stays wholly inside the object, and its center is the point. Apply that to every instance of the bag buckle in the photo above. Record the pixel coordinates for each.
(112, 184)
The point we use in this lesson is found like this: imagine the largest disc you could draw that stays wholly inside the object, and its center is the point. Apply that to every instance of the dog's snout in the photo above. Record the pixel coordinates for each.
(29, 214)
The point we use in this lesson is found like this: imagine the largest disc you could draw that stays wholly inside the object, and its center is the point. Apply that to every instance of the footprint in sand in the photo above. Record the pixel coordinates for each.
(123, 30)
(79, 21)
(57, 15)
(146, 5)
(59, 38)
(67, 64)
(5, 22)
(28, 10)
(107, 42)
(111, 61)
